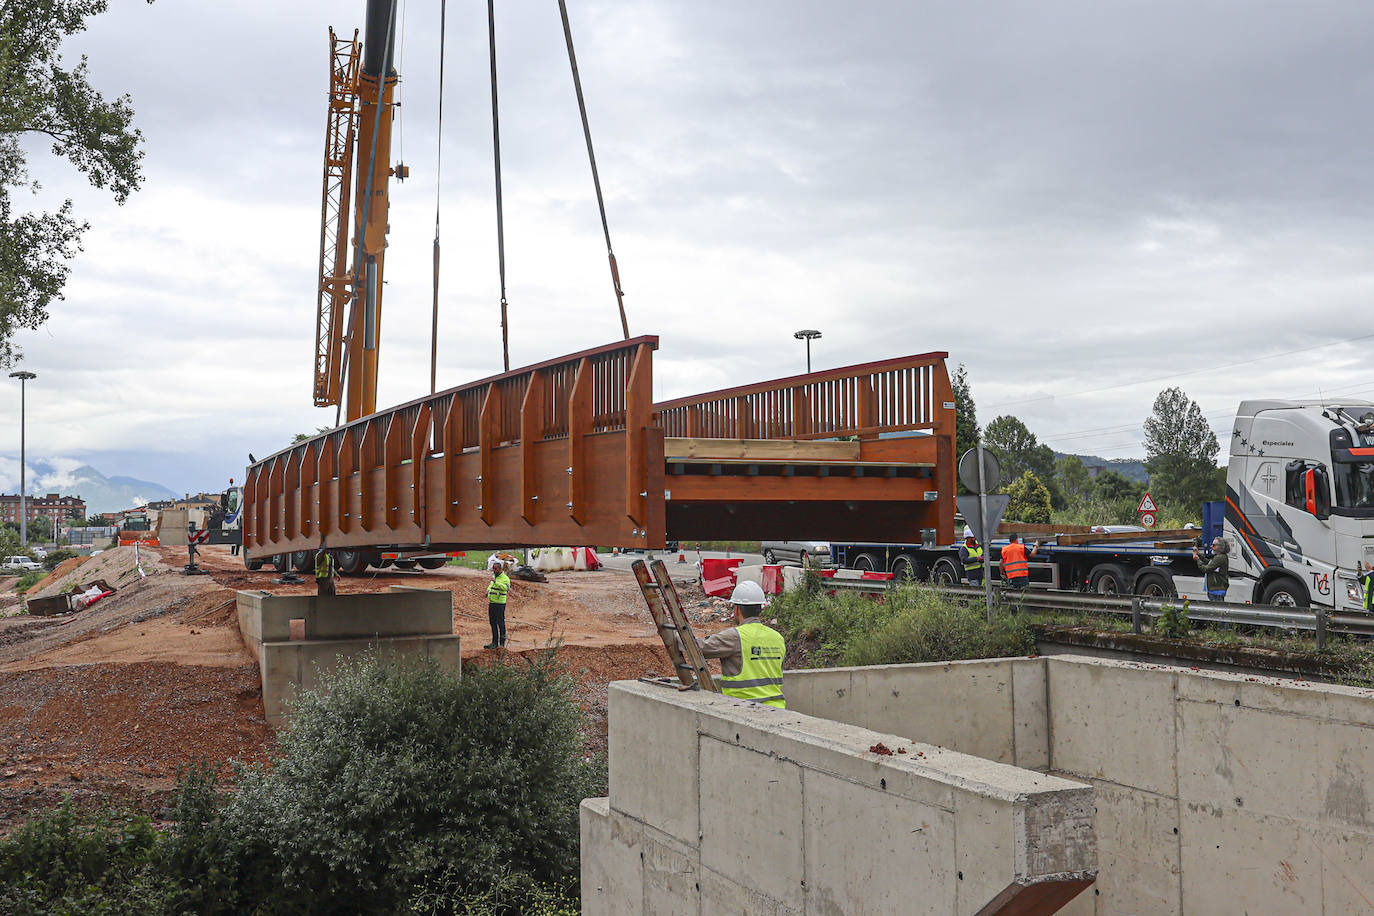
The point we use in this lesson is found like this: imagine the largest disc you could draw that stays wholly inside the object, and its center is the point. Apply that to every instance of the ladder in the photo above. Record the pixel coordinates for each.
(673, 628)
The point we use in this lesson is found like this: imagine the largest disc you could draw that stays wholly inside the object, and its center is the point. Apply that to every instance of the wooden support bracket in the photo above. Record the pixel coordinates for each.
(488, 433)
(579, 423)
(531, 416)
(419, 453)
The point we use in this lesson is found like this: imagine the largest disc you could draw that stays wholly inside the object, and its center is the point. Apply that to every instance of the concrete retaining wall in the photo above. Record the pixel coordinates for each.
(1216, 792)
(723, 807)
(401, 622)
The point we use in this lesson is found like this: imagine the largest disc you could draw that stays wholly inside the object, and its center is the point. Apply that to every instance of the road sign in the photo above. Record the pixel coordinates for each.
(1147, 519)
(968, 471)
(968, 508)
(1147, 504)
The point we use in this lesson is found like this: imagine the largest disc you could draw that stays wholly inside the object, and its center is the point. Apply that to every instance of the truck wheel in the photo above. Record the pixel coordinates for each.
(405, 564)
(866, 561)
(252, 565)
(769, 557)
(902, 569)
(432, 563)
(282, 562)
(302, 560)
(944, 573)
(1286, 592)
(1108, 579)
(352, 562)
(1155, 583)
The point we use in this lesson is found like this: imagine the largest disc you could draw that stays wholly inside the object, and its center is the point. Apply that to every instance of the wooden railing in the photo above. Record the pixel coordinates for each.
(908, 393)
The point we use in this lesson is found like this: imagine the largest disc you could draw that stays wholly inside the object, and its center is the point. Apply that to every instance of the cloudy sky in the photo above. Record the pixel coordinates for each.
(1083, 203)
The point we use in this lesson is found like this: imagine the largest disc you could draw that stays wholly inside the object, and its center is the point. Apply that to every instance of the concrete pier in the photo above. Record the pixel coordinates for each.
(296, 638)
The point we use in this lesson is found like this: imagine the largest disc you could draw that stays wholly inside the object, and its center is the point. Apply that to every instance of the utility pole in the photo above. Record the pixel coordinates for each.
(23, 377)
(807, 335)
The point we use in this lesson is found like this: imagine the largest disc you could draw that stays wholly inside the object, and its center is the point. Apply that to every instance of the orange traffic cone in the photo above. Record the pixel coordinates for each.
(681, 557)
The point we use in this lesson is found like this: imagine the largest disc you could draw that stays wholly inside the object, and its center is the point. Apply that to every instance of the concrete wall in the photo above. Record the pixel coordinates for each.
(723, 807)
(1216, 792)
(399, 622)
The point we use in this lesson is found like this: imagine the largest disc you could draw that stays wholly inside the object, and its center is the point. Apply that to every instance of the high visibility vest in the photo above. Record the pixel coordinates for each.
(1014, 563)
(324, 565)
(496, 591)
(760, 676)
(975, 559)
(1367, 586)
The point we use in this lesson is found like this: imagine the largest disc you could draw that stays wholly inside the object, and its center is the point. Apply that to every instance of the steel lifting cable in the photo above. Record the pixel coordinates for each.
(591, 158)
(438, 166)
(496, 156)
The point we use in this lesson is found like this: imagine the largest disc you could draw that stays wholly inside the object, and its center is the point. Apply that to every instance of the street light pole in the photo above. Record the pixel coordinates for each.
(807, 335)
(23, 377)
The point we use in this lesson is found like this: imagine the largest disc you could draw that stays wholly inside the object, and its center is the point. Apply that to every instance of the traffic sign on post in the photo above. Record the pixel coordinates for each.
(1147, 504)
(1147, 519)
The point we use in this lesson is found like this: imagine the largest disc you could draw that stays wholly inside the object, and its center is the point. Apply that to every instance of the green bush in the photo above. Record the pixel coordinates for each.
(29, 579)
(402, 771)
(912, 624)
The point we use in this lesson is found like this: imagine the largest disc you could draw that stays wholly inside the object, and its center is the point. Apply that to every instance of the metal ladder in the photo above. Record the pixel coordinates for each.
(673, 628)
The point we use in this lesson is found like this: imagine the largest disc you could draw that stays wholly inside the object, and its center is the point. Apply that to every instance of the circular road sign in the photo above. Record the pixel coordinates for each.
(1147, 519)
(968, 470)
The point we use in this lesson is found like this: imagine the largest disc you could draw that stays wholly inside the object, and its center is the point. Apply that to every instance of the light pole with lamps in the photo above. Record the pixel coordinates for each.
(23, 377)
(808, 336)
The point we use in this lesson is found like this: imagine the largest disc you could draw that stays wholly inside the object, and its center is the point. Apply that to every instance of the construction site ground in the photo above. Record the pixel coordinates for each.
(111, 702)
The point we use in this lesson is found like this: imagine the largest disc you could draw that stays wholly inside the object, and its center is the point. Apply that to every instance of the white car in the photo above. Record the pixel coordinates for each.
(20, 563)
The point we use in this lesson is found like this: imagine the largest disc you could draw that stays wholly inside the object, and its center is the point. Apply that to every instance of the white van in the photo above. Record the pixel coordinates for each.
(23, 563)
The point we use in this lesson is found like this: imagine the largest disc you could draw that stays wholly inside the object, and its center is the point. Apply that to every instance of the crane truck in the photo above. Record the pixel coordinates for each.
(1298, 516)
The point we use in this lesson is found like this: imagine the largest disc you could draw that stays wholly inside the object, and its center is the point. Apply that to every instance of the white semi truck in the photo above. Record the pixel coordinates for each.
(1298, 513)
(1300, 500)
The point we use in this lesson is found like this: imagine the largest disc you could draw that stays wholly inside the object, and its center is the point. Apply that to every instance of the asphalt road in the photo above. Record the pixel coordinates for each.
(621, 563)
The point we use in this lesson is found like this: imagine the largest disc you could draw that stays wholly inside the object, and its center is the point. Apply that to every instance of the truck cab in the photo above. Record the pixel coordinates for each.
(1300, 500)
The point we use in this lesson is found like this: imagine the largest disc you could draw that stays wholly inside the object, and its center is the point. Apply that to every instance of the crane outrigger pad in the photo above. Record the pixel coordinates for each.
(574, 451)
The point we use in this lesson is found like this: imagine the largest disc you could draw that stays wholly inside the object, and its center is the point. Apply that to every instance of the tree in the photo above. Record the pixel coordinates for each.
(1180, 452)
(966, 412)
(40, 528)
(1017, 449)
(43, 98)
(1074, 480)
(1030, 500)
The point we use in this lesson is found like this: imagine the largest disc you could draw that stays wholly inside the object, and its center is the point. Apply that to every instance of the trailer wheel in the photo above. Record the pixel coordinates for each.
(352, 562)
(902, 569)
(944, 573)
(1286, 592)
(282, 562)
(866, 562)
(405, 564)
(432, 562)
(302, 560)
(1108, 579)
(1155, 583)
(252, 565)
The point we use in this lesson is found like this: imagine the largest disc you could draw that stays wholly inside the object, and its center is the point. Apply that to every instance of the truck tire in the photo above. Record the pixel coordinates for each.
(282, 562)
(866, 561)
(1155, 583)
(903, 570)
(1108, 579)
(944, 573)
(352, 562)
(432, 563)
(405, 564)
(1285, 591)
(302, 560)
(251, 565)
(769, 557)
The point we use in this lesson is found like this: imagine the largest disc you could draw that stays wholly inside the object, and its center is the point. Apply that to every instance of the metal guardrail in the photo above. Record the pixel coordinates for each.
(1319, 621)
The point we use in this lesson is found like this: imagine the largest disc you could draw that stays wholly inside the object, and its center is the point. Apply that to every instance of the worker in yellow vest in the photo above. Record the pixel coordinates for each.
(750, 652)
(497, 590)
(971, 558)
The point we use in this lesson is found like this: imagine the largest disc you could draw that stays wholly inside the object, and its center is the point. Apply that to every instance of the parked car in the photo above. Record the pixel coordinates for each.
(814, 553)
(20, 563)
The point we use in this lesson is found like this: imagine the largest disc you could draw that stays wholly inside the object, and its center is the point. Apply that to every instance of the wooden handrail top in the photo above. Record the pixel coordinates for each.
(826, 375)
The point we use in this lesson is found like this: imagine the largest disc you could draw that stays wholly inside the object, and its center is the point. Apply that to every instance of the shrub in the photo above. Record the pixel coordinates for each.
(1173, 621)
(403, 771)
(29, 579)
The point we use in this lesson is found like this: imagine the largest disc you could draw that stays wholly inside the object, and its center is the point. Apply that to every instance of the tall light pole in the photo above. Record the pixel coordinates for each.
(23, 377)
(808, 336)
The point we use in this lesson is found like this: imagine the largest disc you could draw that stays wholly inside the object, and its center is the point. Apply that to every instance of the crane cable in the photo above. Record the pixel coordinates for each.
(591, 158)
(496, 156)
(367, 202)
(438, 166)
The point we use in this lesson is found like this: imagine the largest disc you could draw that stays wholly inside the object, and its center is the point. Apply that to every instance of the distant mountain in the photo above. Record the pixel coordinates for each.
(1130, 468)
(66, 477)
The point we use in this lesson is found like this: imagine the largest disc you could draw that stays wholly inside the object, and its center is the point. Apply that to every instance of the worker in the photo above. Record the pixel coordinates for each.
(497, 592)
(1367, 585)
(1016, 562)
(1217, 569)
(324, 573)
(971, 556)
(750, 652)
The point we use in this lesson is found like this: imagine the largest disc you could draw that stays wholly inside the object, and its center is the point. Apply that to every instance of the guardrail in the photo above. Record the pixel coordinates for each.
(1318, 621)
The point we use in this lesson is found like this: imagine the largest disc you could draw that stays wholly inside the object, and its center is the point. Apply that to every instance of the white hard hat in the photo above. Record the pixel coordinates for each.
(968, 532)
(747, 593)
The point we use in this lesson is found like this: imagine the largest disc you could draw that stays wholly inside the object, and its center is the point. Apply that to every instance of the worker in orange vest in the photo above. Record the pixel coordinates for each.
(1016, 563)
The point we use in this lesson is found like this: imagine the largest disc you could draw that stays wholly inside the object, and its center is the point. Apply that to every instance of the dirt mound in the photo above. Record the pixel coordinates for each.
(61, 571)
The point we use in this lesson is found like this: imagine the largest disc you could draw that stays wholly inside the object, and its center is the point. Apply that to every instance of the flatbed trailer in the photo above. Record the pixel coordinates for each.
(1129, 563)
